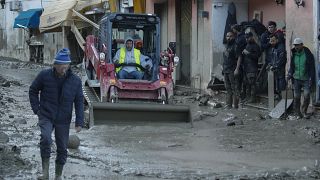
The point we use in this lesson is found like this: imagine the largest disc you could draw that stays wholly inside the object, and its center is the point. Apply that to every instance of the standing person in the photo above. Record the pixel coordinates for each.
(302, 72)
(251, 56)
(276, 62)
(241, 43)
(229, 66)
(265, 37)
(128, 55)
(58, 89)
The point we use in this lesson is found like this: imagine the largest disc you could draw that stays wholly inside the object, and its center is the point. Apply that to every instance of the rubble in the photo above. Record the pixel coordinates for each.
(203, 100)
(215, 104)
(132, 150)
(4, 138)
(6, 84)
(202, 115)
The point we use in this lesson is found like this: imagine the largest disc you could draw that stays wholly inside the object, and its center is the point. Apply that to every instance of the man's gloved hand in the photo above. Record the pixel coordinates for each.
(245, 52)
(289, 77)
(147, 67)
(268, 67)
(273, 68)
(289, 83)
(116, 61)
(236, 72)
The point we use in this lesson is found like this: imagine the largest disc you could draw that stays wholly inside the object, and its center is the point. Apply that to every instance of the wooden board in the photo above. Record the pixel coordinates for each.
(279, 110)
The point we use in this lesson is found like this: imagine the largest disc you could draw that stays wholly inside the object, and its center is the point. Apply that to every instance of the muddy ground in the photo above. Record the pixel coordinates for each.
(221, 144)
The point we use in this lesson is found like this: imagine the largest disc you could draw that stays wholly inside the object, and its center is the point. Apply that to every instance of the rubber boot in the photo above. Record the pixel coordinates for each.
(305, 106)
(252, 99)
(229, 100)
(253, 94)
(297, 111)
(236, 102)
(59, 168)
(45, 169)
(248, 93)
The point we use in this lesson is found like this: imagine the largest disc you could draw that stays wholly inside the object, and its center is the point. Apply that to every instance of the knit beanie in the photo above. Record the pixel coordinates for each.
(62, 57)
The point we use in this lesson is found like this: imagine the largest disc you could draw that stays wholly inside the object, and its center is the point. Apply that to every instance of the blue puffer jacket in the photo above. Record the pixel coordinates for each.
(58, 110)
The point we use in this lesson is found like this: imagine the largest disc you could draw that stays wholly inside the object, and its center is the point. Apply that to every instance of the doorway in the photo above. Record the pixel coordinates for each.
(184, 41)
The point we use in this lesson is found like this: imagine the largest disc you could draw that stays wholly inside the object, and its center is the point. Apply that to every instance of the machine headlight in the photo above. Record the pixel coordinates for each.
(102, 56)
(176, 60)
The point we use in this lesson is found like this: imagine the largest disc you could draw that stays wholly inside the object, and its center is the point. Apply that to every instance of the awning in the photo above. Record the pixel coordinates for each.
(58, 14)
(28, 19)
(62, 13)
(87, 5)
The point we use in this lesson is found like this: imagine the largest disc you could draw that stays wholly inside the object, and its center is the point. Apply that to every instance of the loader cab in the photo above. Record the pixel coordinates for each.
(142, 28)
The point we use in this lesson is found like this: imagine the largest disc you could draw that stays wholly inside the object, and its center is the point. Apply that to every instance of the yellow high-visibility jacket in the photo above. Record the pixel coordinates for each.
(122, 56)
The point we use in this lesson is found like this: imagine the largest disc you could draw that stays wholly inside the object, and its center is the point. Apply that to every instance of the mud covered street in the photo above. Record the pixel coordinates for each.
(221, 144)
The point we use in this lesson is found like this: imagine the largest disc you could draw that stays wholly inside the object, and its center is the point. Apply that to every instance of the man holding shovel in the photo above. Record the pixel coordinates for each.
(302, 74)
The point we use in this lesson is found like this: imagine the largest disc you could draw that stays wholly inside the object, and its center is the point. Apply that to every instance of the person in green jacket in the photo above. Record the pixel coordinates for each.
(302, 74)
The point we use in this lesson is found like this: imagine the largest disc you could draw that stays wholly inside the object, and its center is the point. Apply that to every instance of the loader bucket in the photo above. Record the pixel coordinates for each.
(103, 113)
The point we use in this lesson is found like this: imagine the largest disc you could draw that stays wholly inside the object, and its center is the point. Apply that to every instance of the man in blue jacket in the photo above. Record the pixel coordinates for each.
(276, 61)
(52, 95)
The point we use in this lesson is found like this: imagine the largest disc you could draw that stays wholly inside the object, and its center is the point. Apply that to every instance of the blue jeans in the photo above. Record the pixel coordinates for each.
(298, 84)
(61, 132)
(122, 74)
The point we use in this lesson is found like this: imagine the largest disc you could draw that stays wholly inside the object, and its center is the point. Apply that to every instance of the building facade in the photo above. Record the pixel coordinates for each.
(196, 26)
(15, 42)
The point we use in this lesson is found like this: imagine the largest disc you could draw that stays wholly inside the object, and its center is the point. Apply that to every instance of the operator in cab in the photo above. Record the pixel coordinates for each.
(129, 61)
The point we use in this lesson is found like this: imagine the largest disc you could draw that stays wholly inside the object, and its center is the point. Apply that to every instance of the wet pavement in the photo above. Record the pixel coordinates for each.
(221, 144)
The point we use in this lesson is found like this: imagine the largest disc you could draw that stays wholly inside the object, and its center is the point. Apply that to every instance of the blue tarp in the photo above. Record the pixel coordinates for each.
(29, 19)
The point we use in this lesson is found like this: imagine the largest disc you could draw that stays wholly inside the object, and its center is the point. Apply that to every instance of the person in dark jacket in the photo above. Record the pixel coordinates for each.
(240, 39)
(229, 66)
(251, 56)
(276, 62)
(265, 37)
(302, 72)
(241, 43)
(52, 95)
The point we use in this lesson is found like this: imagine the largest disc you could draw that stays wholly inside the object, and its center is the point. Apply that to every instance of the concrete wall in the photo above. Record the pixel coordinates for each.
(218, 19)
(13, 40)
(14, 45)
(162, 12)
(201, 45)
(316, 32)
(52, 43)
(201, 41)
(167, 24)
(207, 34)
(300, 22)
(270, 11)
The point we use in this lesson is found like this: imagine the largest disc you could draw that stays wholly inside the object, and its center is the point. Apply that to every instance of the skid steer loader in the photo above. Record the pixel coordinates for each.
(110, 98)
